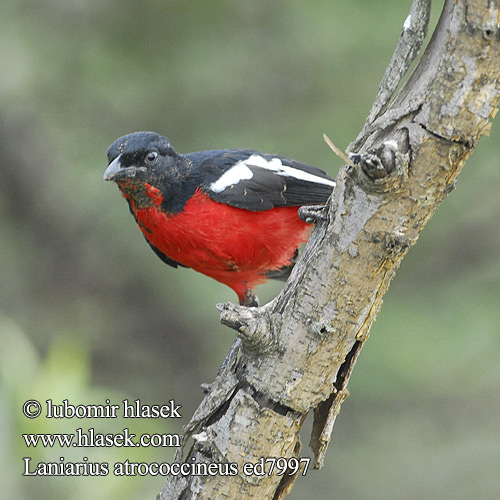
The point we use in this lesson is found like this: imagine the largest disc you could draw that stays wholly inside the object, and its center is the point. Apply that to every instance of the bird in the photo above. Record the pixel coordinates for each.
(231, 214)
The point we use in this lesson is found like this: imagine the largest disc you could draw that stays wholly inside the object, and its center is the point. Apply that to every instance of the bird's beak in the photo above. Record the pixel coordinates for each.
(116, 172)
(114, 168)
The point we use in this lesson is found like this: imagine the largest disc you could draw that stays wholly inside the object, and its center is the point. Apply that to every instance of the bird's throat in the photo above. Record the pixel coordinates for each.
(140, 194)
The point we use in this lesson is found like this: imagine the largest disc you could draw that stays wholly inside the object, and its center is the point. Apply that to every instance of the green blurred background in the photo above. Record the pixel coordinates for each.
(87, 312)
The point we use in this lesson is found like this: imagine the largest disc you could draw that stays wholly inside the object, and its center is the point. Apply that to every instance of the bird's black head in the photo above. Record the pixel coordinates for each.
(146, 158)
(140, 157)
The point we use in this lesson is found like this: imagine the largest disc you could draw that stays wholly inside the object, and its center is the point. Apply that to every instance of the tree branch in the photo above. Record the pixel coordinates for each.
(298, 351)
(409, 44)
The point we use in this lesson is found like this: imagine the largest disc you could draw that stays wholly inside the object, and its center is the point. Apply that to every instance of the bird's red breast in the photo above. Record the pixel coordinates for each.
(232, 245)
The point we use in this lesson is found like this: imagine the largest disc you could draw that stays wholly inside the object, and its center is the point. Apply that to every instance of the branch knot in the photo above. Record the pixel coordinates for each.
(255, 326)
(385, 168)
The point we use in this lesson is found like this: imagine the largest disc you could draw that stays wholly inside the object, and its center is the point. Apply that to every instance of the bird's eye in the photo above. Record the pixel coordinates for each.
(151, 157)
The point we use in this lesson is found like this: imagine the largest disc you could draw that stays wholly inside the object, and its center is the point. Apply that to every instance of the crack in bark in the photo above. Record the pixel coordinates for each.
(222, 410)
(469, 145)
(266, 402)
(259, 397)
(326, 412)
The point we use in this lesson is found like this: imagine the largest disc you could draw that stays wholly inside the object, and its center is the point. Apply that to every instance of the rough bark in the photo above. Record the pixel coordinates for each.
(298, 351)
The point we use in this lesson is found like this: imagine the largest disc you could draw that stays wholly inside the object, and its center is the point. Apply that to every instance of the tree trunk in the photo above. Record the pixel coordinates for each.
(296, 353)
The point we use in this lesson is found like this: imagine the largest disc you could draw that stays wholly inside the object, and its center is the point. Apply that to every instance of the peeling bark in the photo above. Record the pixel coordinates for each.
(298, 351)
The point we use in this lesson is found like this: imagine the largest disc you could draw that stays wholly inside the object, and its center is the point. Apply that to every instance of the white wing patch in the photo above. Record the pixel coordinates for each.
(240, 171)
(277, 166)
(234, 175)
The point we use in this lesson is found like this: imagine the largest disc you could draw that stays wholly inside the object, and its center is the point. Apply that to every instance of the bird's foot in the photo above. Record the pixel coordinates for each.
(313, 214)
(249, 299)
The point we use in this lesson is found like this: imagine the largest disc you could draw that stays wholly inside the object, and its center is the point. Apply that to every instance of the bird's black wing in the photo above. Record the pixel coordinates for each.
(254, 181)
(164, 258)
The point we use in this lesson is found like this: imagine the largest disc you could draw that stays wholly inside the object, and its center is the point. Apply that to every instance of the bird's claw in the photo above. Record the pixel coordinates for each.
(313, 213)
(249, 299)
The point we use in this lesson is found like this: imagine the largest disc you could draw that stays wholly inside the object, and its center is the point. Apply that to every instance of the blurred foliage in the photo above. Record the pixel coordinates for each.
(63, 374)
(87, 312)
